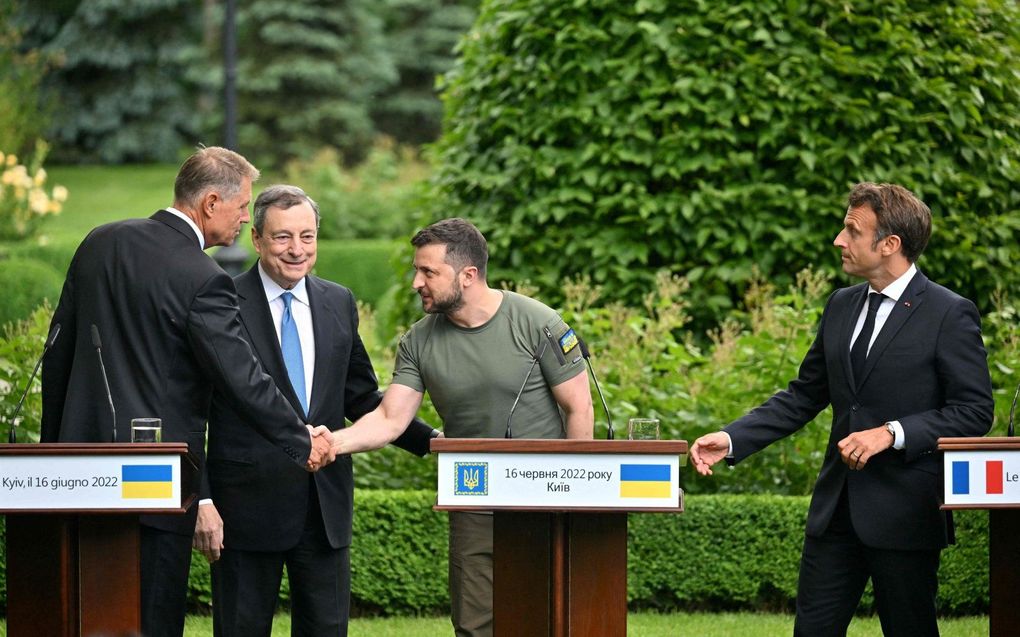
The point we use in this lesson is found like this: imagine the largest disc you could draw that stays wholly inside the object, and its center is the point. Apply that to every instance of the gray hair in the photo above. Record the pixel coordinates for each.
(283, 197)
(212, 168)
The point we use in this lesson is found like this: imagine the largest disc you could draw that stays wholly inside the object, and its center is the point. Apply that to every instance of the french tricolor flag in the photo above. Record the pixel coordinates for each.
(993, 476)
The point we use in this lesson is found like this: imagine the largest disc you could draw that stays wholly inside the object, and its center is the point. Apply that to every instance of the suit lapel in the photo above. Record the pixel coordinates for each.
(258, 320)
(908, 303)
(323, 316)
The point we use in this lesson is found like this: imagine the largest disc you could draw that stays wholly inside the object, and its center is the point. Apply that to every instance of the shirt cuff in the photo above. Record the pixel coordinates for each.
(204, 501)
(899, 439)
(729, 444)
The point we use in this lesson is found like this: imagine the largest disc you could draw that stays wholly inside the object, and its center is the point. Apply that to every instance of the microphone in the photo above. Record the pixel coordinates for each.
(587, 358)
(1012, 411)
(12, 437)
(98, 344)
(534, 361)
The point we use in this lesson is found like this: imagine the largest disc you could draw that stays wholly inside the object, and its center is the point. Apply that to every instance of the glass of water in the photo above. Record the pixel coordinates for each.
(146, 430)
(643, 429)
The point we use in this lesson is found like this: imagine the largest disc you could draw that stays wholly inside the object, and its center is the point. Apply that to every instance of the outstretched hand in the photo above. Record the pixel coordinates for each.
(708, 450)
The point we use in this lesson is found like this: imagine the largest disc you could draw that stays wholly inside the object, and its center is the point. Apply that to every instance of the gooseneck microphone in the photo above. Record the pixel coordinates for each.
(587, 358)
(1012, 411)
(98, 344)
(534, 361)
(12, 437)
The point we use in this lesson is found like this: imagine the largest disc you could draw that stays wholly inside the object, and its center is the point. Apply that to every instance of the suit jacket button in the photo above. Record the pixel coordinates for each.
(854, 407)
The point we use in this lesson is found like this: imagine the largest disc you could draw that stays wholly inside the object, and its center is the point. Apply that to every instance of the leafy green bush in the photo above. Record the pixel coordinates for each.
(376, 199)
(20, 348)
(27, 284)
(621, 138)
(751, 544)
(22, 119)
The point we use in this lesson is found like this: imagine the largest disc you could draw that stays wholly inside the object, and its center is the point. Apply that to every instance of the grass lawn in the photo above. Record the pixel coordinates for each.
(99, 194)
(638, 625)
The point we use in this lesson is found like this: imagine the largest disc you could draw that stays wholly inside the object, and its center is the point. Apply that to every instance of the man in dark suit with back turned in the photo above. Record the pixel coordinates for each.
(262, 511)
(901, 361)
(168, 320)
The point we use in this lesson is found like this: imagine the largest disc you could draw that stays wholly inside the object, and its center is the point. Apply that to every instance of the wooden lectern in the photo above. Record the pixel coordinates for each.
(984, 473)
(560, 523)
(72, 531)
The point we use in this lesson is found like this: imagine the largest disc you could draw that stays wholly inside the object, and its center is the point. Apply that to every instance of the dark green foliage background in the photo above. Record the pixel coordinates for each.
(618, 138)
(116, 84)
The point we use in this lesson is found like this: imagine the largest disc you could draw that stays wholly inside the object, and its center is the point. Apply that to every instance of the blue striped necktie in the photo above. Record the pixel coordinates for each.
(290, 343)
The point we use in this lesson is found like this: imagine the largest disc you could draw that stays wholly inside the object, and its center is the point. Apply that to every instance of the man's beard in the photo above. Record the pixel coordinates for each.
(448, 305)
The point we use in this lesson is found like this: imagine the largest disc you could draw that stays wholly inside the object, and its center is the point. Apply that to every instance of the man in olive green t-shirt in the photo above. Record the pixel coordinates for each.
(471, 353)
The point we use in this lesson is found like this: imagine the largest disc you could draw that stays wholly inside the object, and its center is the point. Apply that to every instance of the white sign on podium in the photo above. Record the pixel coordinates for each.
(39, 482)
(988, 477)
(560, 481)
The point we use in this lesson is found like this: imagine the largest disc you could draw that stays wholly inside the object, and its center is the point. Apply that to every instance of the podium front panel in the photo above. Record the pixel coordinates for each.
(564, 481)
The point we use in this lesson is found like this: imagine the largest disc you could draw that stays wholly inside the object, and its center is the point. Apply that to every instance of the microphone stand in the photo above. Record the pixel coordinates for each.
(517, 398)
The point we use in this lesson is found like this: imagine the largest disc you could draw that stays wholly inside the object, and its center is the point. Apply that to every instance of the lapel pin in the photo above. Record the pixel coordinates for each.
(906, 304)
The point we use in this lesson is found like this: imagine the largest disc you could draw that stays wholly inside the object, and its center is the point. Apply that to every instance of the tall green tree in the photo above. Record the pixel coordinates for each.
(116, 85)
(307, 72)
(620, 138)
(420, 38)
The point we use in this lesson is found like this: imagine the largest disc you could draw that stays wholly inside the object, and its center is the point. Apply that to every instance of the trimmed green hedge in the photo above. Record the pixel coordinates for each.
(727, 552)
(27, 284)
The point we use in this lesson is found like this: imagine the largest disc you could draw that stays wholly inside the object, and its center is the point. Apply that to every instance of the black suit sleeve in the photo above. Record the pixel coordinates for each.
(214, 333)
(56, 371)
(961, 367)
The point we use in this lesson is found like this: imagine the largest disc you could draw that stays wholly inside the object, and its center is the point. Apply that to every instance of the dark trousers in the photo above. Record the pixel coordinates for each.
(834, 569)
(246, 586)
(165, 561)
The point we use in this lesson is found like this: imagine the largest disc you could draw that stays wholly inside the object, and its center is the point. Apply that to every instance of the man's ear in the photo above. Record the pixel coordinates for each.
(893, 244)
(209, 201)
(468, 274)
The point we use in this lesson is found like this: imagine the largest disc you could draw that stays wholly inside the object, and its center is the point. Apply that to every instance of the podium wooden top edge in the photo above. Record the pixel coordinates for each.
(989, 443)
(93, 448)
(532, 445)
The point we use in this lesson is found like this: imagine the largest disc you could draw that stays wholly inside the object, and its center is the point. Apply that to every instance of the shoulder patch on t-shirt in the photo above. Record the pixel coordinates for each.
(568, 341)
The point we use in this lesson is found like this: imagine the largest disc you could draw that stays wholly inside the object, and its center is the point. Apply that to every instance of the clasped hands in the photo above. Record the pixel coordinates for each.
(323, 450)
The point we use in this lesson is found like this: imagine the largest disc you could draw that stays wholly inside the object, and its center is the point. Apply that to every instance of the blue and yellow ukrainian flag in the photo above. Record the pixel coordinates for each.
(146, 481)
(644, 480)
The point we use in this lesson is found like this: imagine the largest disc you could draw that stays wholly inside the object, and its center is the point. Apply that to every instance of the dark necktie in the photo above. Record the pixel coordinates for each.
(290, 343)
(859, 352)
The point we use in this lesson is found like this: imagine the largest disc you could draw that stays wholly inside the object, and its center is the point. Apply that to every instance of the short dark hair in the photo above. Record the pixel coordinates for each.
(280, 196)
(464, 243)
(212, 168)
(899, 212)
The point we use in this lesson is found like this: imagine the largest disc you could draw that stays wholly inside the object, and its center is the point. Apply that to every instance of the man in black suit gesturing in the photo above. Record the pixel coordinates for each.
(901, 361)
(168, 321)
(262, 512)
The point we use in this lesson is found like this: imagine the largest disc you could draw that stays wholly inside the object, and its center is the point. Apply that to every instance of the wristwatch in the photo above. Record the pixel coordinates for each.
(892, 430)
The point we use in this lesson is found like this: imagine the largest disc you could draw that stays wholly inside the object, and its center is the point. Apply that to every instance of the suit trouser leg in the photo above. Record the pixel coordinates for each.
(835, 568)
(165, 562)
(320, 580)
(470, 572)
(246, 586)
(906, 584)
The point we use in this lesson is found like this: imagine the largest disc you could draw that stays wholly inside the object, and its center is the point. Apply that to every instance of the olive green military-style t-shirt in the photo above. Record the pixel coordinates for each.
(473, 374)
